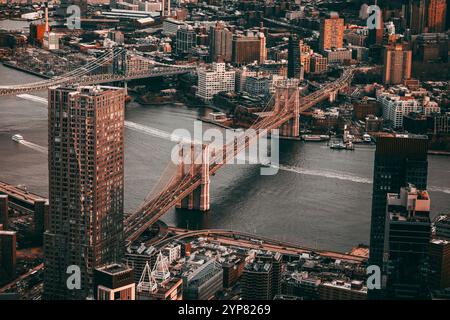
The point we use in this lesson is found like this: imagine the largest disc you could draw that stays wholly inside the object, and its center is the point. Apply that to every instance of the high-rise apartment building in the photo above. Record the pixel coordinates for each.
(436, 17)
(8, 242)
(395, 107)
(275, 260)
(442, 226)
(186, 39)
(261, 279)
(86, 181)
(397, 64)
(319, 64)
(294, 57)
(220, 43)
(249, 48)
(417, 15)
(257, 281)
(331, 32)
(399, 160)
(4, 211)
(408, 234)
(439, 264)
(427, 16)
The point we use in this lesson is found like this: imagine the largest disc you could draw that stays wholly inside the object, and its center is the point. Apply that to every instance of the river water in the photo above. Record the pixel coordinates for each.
(320, 198)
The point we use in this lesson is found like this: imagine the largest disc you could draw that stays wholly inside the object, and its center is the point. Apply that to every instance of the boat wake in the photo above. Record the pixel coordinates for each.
(439, 189)
(34, 146)
(156, 132)
(326, 174)
(33, 98)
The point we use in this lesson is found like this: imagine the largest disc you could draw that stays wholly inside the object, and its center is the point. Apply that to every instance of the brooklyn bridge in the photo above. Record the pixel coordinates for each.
(186, 184)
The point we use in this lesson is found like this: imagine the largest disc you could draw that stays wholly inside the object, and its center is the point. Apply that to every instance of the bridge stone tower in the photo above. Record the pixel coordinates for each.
(194, 161)
(287, 100)
(119, 61)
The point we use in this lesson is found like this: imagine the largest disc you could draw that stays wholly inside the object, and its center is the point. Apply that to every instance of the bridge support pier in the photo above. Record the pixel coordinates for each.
(287, 99)
(333, 96)
(194, 162)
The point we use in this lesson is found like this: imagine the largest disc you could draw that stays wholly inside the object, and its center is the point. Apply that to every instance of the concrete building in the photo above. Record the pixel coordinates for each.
(331, 32)
(431, 47)
(395, 107)
(116, 36)
(275, 260)
(399, 160)
(51, 41)
(86, 181)
(442, 226)
(397, 64)
(341, 290)
(373, 124)
(203, 281)
(338, 56)
(242, 75)
(356, 37)
(416, 16)
(294, 57)
(436, 17)
(171, 26)
(4, 211)
(364, 107)
(439, 264)
(249, 48)
(232, 270)
(220, 43)
(8, 243)
(319, 64)
(172, 252)
(408, 234)
(186, 39)
(257, 281)
(114, 282)
(214, 79)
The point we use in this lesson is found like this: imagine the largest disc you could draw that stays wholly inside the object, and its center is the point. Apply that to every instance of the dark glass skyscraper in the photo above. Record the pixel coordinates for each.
(399, 160)
(408, 235)
(86, 178)
(294, 57)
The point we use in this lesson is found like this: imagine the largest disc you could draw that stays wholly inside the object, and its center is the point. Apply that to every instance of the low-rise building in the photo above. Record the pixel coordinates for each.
(341, 290)
(215, 79)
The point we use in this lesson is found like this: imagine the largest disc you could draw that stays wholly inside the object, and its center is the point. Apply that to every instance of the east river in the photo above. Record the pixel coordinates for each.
(320, 198)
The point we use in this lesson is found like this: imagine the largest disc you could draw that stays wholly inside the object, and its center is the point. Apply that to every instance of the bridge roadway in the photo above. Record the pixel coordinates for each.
(22, 277)
(247, 240)
(139, 221)
(150, 212)
(156, 71)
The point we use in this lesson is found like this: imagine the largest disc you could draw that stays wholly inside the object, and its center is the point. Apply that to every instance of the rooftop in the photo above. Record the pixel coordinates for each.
(115, 268)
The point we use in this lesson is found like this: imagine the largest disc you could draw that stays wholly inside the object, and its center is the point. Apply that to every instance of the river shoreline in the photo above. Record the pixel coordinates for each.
(34, 73)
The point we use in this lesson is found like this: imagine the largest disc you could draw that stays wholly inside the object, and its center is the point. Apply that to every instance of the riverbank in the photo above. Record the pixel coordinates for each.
(34, 73)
